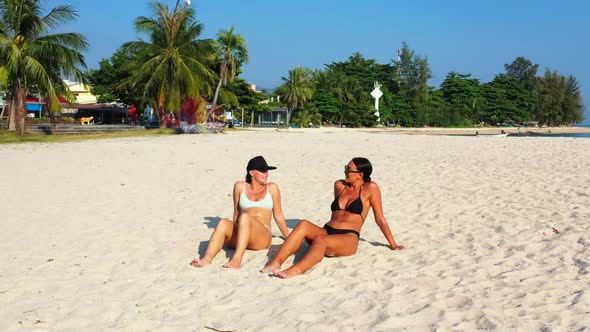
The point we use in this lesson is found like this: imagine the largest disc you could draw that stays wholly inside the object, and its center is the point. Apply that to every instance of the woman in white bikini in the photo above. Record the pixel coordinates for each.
(255, 203)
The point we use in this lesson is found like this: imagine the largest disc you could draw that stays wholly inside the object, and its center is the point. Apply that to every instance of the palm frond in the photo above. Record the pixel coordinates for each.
(59, 15)
(174, 63)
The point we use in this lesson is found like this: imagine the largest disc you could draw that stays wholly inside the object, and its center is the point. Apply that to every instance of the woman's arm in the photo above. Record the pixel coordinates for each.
(277, 209)
(377, 206)
(238, 187)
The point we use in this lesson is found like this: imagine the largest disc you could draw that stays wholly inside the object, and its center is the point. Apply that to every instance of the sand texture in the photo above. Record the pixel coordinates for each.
(98, 235)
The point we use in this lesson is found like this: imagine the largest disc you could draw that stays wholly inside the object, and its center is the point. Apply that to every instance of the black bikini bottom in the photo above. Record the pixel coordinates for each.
(332, 231)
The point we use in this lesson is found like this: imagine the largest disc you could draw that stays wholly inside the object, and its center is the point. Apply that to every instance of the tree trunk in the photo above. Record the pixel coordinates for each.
(21, 112)
(289, 111)
(217, 90)
(163, 119)
(11, 113)
(52, 118)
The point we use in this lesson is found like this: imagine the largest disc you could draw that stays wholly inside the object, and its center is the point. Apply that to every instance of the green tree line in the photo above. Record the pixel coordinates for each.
(167, 69)
(339, 94)
(172, 65)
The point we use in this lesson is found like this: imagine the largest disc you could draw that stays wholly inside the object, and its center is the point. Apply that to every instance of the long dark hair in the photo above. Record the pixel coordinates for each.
(364, 165)
(248, 177)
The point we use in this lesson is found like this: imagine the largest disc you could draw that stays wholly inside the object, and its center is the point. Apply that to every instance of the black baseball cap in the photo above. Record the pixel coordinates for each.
(258, 163)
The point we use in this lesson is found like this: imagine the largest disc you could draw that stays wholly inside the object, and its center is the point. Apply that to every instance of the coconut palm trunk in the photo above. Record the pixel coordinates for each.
(296, 90)
(173, 64)
(289, 112)
(52, 119)
(31, 56)
(11, 114)
(17, 104)
(217, 90)
(233, 52)
(214, 104)
(21, 111)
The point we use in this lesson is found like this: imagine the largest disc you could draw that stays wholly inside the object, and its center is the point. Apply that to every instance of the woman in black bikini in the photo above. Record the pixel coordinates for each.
(354, 196)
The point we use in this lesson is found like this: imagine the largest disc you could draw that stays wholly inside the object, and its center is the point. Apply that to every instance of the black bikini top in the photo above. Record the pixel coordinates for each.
(355, 206)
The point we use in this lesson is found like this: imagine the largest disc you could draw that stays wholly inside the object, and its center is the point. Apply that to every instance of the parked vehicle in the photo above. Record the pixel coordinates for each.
(233, 123)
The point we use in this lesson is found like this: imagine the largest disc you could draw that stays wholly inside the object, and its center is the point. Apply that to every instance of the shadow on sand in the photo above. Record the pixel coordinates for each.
(212, 222)
(374, 243)
(274, 248)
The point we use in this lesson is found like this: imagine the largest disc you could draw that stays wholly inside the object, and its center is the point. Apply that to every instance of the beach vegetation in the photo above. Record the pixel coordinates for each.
(172, 64)
(9, 137)
(559, 99)
(327, 104)
(524, 71)
(296, 89)
(309, 116)
(341, 94)
(34, 60)
(3, 78)
(463, 98)
(249, 102)
(410, 76)
(111, 83)
(173, 68)
(342, 91)
(505, 97)
(232, 53)
(397, 109)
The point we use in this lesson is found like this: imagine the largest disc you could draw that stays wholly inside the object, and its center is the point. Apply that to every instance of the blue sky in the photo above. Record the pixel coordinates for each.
(468, 36)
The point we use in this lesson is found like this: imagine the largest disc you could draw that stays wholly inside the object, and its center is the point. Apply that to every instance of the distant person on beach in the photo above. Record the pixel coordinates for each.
(256, 201)
(353, 197)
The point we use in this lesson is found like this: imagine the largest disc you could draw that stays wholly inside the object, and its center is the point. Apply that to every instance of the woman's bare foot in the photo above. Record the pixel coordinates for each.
(271, 267)
(201, 262)
(288, 273)
(233, 264)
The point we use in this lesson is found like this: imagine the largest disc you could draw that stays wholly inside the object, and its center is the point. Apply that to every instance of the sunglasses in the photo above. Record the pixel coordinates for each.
(348, 170)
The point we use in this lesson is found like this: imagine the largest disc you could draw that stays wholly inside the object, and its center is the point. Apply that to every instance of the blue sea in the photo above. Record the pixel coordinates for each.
(577, 135)
(574, 135)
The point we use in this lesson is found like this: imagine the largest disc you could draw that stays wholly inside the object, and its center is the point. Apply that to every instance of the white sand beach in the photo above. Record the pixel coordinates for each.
(98, 235)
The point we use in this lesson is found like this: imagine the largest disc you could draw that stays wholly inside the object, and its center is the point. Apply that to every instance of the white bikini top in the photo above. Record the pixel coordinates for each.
(265, 203)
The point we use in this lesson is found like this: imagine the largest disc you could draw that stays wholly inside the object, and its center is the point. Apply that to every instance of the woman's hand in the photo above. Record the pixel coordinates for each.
(397, 247)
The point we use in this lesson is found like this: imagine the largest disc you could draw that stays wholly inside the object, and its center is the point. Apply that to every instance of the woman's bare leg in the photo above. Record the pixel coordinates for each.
(251, 234)
(242, 239)
(322, 245)
(304, 230)
(222, 233)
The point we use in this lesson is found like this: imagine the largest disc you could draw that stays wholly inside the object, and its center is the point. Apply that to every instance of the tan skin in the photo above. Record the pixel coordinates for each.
(323, 244)
(249, 232)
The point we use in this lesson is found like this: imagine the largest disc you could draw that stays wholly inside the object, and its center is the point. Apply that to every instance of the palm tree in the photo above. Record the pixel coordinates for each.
(309, 116)
(32, 58)
(233, 52)
(297, 89)
(347, 91)
(173, 65)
